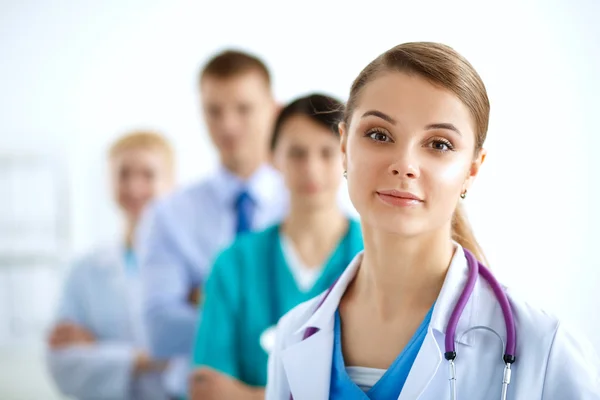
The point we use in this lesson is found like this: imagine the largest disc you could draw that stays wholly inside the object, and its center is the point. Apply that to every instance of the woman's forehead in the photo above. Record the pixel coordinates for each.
(411, 99)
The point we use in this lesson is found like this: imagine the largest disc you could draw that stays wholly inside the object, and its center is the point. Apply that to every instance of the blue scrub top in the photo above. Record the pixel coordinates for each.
(391, 383)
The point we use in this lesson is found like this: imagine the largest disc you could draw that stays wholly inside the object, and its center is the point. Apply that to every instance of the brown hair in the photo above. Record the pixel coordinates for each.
(232, 63)
(144, 139)
(442, 66)
(322, 109)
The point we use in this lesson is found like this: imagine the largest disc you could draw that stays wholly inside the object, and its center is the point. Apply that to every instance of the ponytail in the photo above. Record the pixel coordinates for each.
(463, 234)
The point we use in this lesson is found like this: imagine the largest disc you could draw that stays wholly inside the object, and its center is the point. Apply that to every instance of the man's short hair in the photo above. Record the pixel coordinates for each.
(232, 63)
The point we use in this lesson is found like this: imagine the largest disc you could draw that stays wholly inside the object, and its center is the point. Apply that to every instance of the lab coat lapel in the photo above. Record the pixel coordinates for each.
(127, 293)
(423, 370)
(429, 359)
(307, 366)
(307, 362)
(310, 360)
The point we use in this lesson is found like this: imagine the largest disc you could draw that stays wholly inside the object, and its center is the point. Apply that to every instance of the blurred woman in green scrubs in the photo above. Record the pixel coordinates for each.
(263, 275)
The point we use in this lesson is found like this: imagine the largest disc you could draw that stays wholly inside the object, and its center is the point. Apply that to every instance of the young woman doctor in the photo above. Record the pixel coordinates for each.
(412, 138)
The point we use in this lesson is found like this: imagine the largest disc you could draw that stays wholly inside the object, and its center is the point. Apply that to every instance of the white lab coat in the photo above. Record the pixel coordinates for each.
(550, 365)
(100, 296)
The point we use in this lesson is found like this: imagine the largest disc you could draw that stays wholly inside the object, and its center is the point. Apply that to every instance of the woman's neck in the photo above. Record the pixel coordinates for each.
(398, 272)
(315, 231)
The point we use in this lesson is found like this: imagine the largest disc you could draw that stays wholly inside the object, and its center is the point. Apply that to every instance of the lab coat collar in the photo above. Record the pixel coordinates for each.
(456, 277)
(110, 259)
(323, 317)
(314, 353)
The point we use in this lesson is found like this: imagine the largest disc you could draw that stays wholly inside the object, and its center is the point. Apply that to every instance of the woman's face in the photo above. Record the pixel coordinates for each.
(308, 156)
(138, 176)
(409, 153)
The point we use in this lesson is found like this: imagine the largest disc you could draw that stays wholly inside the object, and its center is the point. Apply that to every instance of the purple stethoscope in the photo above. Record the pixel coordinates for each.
(476, 269)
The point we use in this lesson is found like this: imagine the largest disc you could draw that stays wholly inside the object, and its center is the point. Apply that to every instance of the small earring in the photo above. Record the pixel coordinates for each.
(463, 194)
(346, 174)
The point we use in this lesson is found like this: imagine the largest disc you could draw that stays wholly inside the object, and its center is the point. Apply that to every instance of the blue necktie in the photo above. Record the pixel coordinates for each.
(244, 206)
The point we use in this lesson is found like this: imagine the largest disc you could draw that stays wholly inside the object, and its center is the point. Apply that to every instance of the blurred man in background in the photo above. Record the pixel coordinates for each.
(182, 233)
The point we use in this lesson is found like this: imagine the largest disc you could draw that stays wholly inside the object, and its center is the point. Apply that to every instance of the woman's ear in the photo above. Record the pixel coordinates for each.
(343, 143)
(475, 167)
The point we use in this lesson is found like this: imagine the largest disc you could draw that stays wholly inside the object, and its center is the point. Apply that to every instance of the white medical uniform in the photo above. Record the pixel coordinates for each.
(103, 297)
(551, 364)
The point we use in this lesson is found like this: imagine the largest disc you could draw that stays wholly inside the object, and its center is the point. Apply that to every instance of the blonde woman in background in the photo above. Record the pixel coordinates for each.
(97, 349)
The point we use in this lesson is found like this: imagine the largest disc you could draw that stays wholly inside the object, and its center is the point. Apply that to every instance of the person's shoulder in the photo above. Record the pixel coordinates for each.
(541, 333)
(354, 228)
(249, 245)
(100, 258)
(530, 309)
(533, 321)
(259, 237)
(537, 321)
(184, 196)
(353, 224)
(354, 235)
(568, 358)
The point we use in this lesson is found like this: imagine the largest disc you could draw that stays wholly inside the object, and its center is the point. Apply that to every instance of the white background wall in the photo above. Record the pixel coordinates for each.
(75, 74)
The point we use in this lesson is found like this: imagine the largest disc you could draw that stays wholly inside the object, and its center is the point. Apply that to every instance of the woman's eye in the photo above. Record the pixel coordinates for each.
(379, 136)
(441, 145)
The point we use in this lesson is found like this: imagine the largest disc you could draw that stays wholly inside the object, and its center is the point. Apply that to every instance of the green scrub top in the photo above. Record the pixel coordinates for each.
(250, 287)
